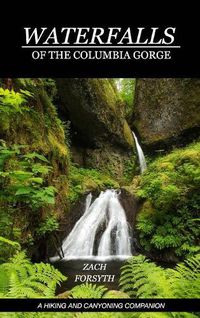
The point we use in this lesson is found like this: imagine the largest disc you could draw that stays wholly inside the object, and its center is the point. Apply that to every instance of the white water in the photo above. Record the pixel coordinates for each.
(114, 241)
(140, 153)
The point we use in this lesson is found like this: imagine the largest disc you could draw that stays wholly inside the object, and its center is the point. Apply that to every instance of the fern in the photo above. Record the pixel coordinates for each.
(21, 279)
(88, 291)
(9, 242)
(8, 248)
(24, 180)
(12, 102)
(185, 279)
(141, 278)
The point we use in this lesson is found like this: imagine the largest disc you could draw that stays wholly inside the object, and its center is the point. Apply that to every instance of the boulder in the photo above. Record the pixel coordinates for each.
(167, 111)
(101, 137)
(95, 110)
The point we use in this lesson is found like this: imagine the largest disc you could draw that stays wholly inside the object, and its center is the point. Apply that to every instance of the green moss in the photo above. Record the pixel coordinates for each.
(85, 180)
(165, 109)
(58, 148)
(168, 219)
(129, 169)
(96, 110)
(128, 134)
(40, 129)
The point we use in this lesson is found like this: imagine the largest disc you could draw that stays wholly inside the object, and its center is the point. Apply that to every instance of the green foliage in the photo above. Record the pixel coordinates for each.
(88, 291)
(129, 169)
(11, 104)
(22, 178)
(169, 217)
(185, 279)
(84, 180)
(23, 187)
(21, 279)
(49, 225)
(126, 89)
(141, 278)
(8, 247)
(50, 87)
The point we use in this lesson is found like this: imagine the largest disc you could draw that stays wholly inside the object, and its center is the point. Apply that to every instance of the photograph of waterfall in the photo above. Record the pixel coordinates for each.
(99, 190)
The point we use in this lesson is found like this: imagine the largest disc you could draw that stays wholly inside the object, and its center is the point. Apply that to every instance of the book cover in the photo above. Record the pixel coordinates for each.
(99, 169)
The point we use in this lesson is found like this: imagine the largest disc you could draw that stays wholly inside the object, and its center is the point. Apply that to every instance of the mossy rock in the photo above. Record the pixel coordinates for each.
(64, 295)
(95, 109)
(116, 294)
(113, 161)
(167, 111)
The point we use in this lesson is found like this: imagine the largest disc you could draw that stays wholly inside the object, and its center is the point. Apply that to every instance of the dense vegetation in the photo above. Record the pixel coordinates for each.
(169, 218)
(44, 171)
(126, 88)
(141, 278)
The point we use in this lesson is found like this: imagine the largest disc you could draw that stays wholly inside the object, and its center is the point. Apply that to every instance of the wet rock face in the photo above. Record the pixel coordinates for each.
(130, 204)
(95, 110)
(110, 160)
(165, 109)
(101, 137)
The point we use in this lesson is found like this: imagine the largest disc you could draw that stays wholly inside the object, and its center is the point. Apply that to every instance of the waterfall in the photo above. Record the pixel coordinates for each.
(105, 213)
(140, 153)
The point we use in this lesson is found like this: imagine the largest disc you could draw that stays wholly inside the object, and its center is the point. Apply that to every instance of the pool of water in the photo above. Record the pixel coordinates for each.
(96, 270)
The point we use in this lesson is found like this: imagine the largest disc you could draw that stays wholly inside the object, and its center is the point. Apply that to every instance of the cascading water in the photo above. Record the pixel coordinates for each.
(140, 153)
(102, 231)
(114, 241)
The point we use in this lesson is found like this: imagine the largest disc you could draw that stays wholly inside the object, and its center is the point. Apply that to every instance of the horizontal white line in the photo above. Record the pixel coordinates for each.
(99, 46)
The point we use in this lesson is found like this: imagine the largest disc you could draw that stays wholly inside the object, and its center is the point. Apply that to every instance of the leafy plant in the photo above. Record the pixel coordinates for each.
(141, 278)
(21, 279)
(23, 187)
(7, 248)
(50, 86)
(126, 89)
(13, 102)
(49, 225)
(185, 279)
(168, 218)
(88, 291)
(83, 180)
(22, 177)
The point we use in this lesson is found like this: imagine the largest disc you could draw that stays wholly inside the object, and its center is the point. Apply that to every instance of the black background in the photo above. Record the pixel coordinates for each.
(31, 305)
(17, 62)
